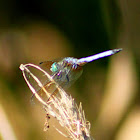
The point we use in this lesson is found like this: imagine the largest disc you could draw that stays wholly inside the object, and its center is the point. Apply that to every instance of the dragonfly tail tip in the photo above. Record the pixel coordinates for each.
(117, 50)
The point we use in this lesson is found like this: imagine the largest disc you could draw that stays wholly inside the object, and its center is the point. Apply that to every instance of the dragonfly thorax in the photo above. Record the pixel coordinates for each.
(66, 71)
(64, 64)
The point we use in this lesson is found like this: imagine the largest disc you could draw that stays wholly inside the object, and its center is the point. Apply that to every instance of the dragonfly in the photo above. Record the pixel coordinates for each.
(66, 71)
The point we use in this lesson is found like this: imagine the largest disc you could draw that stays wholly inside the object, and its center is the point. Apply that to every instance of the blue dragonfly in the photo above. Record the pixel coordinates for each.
(66, 71)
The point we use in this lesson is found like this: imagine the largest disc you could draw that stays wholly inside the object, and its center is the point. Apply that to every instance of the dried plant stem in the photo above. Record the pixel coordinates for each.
(58, 104)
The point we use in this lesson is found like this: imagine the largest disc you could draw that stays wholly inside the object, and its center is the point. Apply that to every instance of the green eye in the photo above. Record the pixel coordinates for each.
(54, 67)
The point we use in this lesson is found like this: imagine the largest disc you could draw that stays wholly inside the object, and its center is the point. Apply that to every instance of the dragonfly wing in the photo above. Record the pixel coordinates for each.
(46, 65)
(69, 75)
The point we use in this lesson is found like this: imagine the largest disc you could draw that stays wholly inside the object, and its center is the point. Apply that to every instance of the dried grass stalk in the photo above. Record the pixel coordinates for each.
(57, 102)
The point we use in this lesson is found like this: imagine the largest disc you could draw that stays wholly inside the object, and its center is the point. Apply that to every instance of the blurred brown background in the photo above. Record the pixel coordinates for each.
(31, 32)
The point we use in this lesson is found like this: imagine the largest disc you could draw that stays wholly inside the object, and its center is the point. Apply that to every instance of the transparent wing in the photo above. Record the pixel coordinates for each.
(39, 81)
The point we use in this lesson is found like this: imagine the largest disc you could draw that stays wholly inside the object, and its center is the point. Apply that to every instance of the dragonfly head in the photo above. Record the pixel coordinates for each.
(54, 67)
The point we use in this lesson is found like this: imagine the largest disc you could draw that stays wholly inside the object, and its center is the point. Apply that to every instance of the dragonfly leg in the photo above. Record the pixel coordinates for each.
(59, 74)
(67, 77)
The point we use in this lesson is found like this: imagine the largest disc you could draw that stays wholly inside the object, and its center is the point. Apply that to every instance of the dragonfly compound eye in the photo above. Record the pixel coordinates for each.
(54, 67)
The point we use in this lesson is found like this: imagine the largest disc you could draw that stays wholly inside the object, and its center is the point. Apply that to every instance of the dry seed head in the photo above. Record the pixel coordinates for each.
(57, 102)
